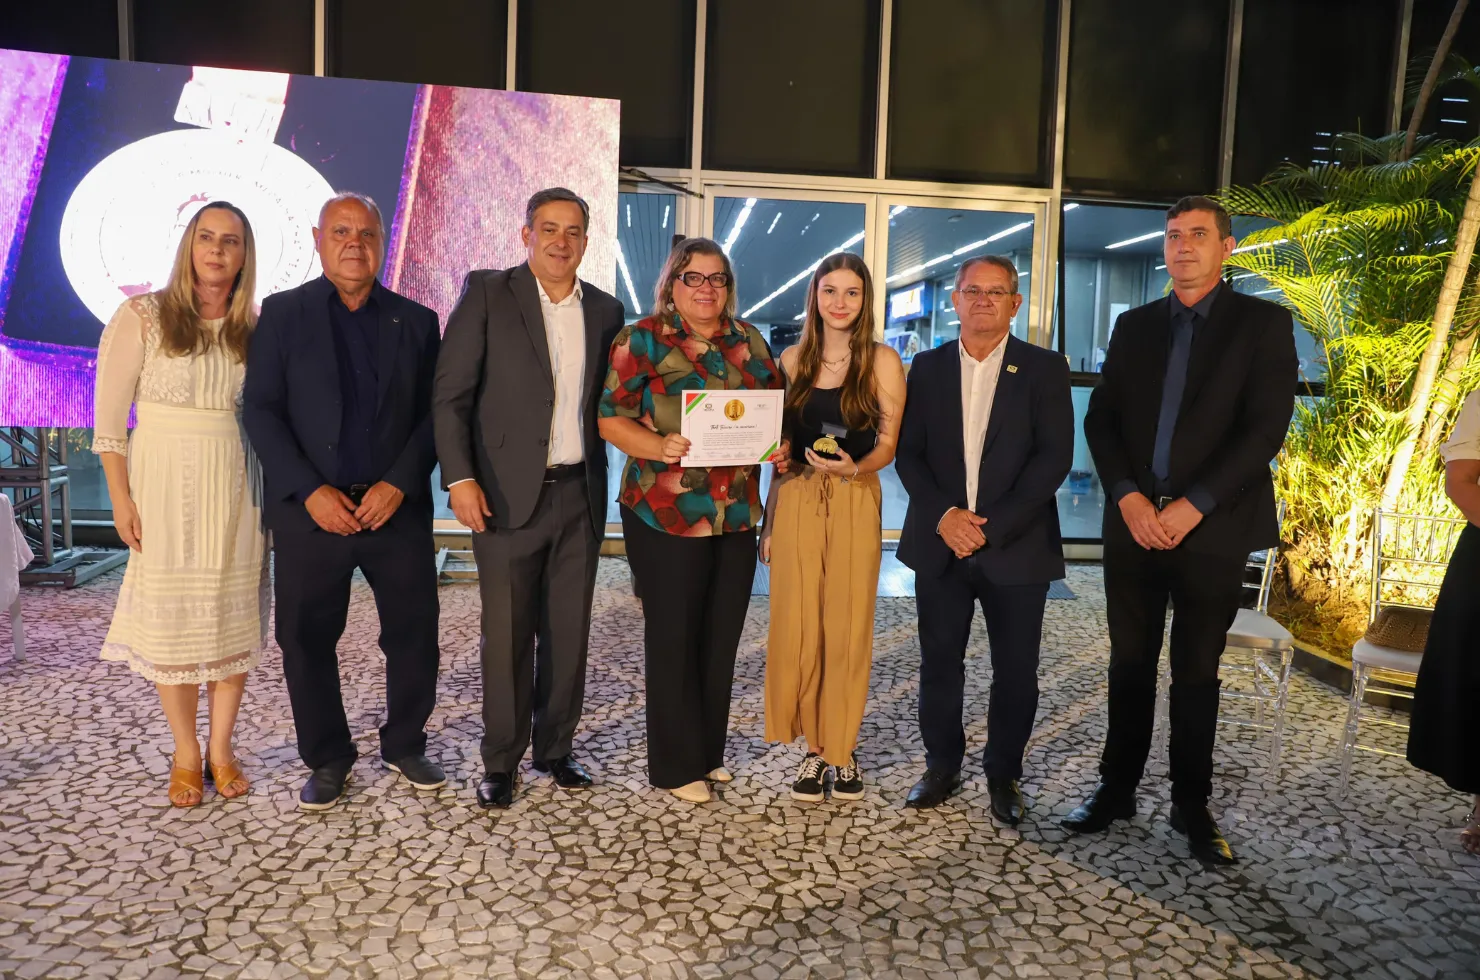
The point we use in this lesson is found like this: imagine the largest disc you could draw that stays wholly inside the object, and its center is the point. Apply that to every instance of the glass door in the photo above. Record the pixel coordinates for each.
(926, 241)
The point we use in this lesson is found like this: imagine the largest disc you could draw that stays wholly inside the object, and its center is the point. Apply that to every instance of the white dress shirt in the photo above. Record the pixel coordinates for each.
(565, 329)
(978, 388)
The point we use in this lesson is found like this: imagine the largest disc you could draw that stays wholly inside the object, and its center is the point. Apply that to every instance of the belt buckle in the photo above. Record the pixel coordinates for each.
(357, 491)
(1162, 503)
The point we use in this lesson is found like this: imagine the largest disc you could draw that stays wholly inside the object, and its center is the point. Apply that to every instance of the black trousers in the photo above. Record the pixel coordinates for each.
(536, 583)
(695, 594)
(1014, 615)
(311, 586)
(1204, 591)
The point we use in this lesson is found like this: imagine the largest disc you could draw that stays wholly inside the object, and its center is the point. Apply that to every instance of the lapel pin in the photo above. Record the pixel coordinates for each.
(1012, 369)
(395, 319)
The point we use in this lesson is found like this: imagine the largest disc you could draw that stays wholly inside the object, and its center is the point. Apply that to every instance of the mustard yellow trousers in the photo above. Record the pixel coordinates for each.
(825, 556)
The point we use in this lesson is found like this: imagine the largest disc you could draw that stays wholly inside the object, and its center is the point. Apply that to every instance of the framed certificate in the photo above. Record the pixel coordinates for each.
(731, 427)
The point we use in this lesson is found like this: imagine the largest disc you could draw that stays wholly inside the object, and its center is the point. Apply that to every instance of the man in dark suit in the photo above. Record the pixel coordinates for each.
(987, 438)
(337, 404)
(515, 406)
(1194, 402)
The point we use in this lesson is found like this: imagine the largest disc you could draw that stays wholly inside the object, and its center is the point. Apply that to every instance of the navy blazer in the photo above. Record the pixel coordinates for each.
(292, 402)
(1027, 452)
(1235, 411)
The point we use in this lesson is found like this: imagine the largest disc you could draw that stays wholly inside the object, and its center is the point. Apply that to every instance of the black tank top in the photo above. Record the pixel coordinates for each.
(825, 407)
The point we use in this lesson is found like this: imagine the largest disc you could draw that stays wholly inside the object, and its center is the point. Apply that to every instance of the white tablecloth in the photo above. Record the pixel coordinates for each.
(15, 554)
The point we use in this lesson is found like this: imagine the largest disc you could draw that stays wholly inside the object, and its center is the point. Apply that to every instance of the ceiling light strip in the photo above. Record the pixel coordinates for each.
(803, 274)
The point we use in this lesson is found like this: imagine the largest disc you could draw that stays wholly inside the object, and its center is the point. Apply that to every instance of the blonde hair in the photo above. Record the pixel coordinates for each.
(678, 260)
(181, 332)
(859, 399)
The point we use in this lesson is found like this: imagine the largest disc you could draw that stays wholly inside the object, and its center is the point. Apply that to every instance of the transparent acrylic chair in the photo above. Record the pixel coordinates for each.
(1262, 652)
(1410, 553)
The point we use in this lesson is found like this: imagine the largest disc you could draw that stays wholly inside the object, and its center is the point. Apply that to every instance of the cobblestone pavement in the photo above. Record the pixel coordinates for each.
(99, 877)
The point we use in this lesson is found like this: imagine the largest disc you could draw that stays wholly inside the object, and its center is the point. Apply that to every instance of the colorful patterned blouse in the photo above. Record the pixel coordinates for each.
(652, 362)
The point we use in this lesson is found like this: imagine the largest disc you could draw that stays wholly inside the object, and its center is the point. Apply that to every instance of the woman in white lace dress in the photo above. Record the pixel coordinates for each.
(186, 493)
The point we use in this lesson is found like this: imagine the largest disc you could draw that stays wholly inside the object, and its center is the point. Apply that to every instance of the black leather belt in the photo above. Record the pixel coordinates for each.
(565, 471)
(355, 492)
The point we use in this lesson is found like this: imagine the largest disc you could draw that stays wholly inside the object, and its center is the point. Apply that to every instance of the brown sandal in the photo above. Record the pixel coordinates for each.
(184, 781)
(226, 774)
(1469, 838)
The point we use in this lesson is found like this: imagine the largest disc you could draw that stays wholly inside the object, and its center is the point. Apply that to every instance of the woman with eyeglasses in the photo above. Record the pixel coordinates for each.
(690, 533)
(844, 401)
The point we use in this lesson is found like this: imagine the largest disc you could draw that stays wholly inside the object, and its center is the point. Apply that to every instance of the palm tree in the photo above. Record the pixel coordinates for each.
(1358, 251)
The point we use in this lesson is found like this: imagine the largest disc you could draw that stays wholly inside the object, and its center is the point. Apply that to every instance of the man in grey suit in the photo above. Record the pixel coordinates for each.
(514, 409)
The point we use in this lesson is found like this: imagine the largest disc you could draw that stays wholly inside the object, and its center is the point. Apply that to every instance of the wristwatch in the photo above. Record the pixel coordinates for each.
(124, 220)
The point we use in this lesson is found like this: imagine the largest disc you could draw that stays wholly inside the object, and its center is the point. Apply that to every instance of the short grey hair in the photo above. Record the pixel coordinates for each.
(1000, 261)
(365, 200)
(550, 195)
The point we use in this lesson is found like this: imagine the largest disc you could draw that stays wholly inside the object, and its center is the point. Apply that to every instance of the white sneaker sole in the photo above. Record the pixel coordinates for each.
(319, 807)
(808, 797)
(427, 786)
(842, 795)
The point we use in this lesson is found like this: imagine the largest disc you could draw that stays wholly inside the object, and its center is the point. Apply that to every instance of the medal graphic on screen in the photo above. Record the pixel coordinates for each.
(124, 220)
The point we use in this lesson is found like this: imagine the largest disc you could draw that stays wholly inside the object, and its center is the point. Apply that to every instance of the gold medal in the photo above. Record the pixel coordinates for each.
(825, 444)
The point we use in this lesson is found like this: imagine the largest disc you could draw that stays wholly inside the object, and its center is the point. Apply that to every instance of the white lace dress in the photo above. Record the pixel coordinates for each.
(194, 602)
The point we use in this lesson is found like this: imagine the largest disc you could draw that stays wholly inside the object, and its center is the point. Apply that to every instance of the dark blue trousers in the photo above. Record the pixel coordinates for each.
(1014, 615)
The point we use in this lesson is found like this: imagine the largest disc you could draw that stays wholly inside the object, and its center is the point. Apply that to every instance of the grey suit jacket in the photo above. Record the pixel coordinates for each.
(494, 393)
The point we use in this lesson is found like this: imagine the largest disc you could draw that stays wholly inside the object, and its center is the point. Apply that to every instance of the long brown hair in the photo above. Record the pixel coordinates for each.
(860, 402)
(181, 332)
(678, 260)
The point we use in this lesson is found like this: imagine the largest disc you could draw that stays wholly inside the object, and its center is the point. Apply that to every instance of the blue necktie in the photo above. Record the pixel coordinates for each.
(1171, 395)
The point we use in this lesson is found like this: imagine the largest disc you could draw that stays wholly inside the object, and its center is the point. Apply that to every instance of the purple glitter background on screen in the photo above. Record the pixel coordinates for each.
(35, 387)
(472, 159)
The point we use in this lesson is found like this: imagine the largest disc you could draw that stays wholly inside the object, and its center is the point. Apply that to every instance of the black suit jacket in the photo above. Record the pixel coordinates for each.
(494, 395)
(292, 402)
(1235, 411)
(1027, 451)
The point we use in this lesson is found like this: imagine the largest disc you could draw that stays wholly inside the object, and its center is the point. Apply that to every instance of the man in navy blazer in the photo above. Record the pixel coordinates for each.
(337, 404)
(986, 441)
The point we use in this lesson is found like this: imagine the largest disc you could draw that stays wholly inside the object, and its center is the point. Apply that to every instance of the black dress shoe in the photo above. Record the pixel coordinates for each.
(419, 771)
(497, 789)
(568, 773)
(325, 786)
(1104, 806)
(1007, 800)
(1203, 836)
(932, 790)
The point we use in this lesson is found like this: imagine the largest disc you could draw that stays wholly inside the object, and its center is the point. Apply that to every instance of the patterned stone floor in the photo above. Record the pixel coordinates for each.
(98, 877)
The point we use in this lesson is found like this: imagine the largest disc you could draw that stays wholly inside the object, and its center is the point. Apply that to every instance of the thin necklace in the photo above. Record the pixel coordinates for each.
(842, 360)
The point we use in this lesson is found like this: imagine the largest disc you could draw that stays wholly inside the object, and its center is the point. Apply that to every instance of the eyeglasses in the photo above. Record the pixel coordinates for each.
(974, 293)
(719, 280)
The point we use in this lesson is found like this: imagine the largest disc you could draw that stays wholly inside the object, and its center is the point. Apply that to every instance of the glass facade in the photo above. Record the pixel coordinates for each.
(267, 35)
(1293, 92)
(935, 72)
(798, 98)
(442, 42)
(788, 115)
(657, 111)
(1145, 85)
(87, 27)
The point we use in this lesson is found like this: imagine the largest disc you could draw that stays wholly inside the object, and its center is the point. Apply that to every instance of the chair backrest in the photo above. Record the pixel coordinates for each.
(1409, 555)
(1262, 563)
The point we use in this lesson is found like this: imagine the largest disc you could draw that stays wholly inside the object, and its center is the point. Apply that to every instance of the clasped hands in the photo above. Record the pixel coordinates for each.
(961, 530)
(337, 514)
(1158, 530)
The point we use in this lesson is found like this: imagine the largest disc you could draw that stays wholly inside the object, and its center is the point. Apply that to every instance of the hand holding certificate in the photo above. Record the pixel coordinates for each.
(731, 427)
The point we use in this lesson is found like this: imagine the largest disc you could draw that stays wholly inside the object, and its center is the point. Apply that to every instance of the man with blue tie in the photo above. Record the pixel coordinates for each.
(1195, 397)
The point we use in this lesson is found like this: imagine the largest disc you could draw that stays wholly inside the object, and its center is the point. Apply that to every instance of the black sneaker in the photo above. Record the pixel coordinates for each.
(808, 785)
(848, 781)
